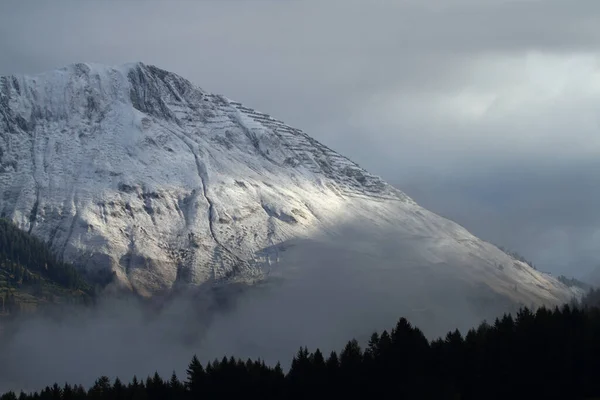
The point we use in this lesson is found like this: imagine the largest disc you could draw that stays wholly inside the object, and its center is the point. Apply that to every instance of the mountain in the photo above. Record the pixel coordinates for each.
(135, 170)
(30, 275)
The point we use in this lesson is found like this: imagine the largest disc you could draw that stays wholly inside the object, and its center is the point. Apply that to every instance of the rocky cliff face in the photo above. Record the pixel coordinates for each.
(135, 170)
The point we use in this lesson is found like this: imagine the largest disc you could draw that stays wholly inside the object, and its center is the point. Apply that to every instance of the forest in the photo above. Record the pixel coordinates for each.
(30, 274)
(541, 354)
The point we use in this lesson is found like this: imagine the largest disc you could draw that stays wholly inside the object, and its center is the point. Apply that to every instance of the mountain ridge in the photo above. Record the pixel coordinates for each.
(137, 170)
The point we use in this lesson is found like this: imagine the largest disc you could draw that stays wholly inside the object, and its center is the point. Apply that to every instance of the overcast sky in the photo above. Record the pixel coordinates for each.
(485, 111)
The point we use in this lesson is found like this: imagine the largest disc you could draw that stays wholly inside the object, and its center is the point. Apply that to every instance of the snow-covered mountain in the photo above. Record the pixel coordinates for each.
(136, 170)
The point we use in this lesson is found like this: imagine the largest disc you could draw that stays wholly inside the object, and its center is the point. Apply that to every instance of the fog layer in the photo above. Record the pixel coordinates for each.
(322, 294)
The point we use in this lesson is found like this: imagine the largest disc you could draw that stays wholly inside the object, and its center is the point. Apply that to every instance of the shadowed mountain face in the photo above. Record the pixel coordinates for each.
(135, 170)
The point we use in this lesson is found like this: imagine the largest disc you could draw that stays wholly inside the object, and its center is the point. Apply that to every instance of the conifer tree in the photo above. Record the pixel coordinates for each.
(196, 377)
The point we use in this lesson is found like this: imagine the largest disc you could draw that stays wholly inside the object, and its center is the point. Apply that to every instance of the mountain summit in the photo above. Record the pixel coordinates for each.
(134, 170)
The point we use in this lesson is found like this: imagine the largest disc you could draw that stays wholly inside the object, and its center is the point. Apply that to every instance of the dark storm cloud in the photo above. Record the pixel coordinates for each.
(403, 87)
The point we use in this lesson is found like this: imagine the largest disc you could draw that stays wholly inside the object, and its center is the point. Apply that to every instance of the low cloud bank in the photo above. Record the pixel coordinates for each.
(320, 295)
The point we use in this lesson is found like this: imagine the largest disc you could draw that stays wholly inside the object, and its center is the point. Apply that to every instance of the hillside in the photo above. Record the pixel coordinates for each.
(31, 277)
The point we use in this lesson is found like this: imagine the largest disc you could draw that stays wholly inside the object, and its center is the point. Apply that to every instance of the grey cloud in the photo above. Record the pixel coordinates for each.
(292, 43)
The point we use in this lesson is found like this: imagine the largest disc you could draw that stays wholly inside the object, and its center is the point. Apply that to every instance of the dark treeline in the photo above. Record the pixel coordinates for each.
(546, 354)
(27, 257)
(573, 282)
(517, 256)
(32, 277)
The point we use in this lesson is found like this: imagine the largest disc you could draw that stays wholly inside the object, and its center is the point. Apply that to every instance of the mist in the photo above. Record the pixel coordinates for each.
(324, 292)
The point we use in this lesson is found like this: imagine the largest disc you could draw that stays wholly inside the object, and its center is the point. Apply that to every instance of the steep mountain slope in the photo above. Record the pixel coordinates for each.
(136, 170)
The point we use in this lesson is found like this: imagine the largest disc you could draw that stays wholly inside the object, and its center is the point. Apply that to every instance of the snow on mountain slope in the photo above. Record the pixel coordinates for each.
(134, 169)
